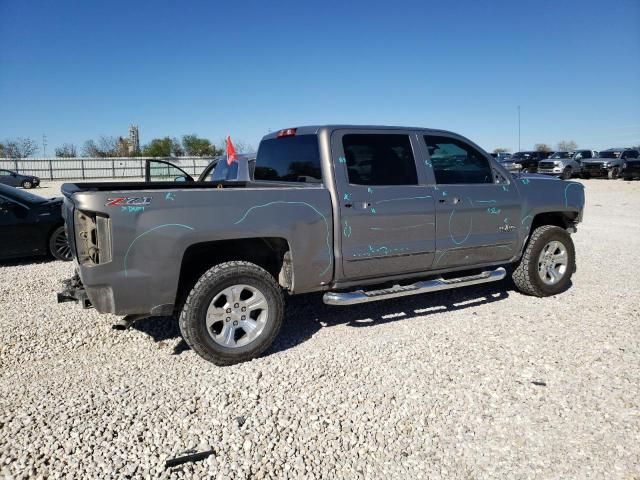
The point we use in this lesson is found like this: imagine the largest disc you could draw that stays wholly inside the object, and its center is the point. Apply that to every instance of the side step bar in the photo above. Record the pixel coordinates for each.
(425, 286)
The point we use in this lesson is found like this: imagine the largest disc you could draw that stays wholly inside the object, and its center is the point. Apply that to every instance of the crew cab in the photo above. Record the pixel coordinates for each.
(609, 163)
(360, 213)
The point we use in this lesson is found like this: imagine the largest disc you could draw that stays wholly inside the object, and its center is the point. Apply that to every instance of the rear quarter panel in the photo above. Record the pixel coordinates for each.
(149, 241)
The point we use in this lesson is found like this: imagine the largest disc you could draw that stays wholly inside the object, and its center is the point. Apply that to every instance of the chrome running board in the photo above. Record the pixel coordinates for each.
(425, 286)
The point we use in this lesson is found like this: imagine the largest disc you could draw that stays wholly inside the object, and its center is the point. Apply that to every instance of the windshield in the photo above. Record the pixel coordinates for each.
(20, 195)
(560, 155)
(609, 154)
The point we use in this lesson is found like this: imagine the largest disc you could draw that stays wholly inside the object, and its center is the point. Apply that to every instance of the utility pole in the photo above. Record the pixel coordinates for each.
(44, 145)
(518, 127)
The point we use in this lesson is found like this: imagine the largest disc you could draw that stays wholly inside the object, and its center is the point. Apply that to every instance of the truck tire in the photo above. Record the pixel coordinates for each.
(547, 263)
(566, 174)
(233, 313)
(614, 173)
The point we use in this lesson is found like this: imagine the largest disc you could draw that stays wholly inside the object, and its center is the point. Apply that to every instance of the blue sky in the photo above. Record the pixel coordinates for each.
(76, 70)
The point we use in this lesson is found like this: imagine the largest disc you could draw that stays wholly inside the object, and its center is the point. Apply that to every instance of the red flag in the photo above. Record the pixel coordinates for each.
(231, 152)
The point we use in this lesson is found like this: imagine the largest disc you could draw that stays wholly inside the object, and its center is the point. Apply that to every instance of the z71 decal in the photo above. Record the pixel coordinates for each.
(126, 201)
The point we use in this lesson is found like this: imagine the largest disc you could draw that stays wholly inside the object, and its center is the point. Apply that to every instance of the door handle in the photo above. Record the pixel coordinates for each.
(454, 200)
(348, 205)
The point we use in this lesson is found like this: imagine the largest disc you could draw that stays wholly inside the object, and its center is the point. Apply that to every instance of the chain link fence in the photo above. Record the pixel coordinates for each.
(87, 168)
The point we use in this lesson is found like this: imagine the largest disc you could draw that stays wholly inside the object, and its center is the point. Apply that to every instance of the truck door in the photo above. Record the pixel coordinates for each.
(386, 211)
(162, 171)
(477, 210)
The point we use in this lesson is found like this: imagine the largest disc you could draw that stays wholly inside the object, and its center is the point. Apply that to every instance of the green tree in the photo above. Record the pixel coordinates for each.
(162, 147)
(195, 146)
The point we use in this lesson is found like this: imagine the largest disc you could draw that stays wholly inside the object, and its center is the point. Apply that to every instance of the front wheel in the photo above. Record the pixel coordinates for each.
(27, 184)
(547, 263)
(614, 173)
(566, 174)
(233, 313)
(59, 245)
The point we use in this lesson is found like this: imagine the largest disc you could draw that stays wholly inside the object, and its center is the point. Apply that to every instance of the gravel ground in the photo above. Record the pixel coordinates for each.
(480, 382)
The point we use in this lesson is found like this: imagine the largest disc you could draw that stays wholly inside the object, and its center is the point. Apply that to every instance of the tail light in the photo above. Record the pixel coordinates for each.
(93, 238)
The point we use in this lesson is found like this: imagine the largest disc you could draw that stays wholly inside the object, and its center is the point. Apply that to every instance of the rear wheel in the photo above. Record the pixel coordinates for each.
(233, 313)
(27, 184)
(547, 263)
(59, 245)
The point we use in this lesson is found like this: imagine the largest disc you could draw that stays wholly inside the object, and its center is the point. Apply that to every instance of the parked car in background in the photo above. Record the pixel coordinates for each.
(528, 161)
(562, 164)
(31, 225)
(510, 165)
(500, 156)
(609, 163)
(14, 179)
(630, 169)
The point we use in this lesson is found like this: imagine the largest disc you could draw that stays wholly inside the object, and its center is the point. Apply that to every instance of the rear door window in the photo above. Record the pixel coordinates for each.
(289, 159)
(379, 159)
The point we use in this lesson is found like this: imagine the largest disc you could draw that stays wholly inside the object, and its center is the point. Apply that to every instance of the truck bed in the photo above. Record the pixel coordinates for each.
(71, 188)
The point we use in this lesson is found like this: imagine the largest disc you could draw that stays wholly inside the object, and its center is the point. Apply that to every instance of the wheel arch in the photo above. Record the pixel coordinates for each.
(269, 253)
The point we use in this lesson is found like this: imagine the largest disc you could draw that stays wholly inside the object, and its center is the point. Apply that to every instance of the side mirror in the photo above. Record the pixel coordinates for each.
(14, 174)
(181, 178)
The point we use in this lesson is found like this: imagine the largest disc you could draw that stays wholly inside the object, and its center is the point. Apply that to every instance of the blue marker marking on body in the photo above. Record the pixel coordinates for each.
(346, 196)
(126, 255)
(282, 202)
(347, 229)
(451, 232)
(342, 159)
(169, 196)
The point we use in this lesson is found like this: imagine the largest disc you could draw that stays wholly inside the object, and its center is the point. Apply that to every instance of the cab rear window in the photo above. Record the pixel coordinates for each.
(289, 159)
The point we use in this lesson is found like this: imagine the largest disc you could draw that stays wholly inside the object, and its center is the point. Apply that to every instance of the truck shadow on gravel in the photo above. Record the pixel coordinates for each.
(306, 314)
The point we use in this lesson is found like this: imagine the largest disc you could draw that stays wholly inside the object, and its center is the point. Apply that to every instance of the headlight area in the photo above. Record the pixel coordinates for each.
(93, 238)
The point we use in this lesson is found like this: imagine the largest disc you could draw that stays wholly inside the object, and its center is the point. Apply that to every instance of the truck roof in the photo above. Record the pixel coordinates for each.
(315, 129)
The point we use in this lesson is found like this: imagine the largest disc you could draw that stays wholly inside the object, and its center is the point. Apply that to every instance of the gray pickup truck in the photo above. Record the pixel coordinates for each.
(360, 213)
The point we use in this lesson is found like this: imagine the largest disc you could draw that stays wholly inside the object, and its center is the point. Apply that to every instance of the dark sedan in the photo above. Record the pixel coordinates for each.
(14, 179)
(528, 161)
(31, 225)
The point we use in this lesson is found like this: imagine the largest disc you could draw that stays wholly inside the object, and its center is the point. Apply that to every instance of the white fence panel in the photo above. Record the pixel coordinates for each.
(88, 168)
